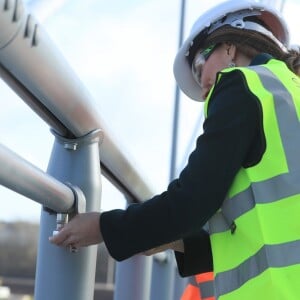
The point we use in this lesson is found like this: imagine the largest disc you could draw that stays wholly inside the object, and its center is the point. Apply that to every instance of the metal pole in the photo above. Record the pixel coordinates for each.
(282, 5)
(61, 274)
(162, 276)
(174, 282)
(133, 279)
(176, 103)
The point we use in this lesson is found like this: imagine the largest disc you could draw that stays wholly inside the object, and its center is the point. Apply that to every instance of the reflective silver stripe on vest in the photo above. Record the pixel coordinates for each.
(277, 187)
(264, 192)
(193, 282)
(207, 289)
(269, 256)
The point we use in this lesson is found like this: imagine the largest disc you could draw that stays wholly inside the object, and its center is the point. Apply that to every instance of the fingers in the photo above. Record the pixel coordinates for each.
(70, 241)
(154, 251)
(64, 239)
(59, 238)
(73, 249)
(82, 230)
(176, 246)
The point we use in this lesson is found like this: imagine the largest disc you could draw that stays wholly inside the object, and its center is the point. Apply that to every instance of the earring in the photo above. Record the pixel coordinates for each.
(231, 65)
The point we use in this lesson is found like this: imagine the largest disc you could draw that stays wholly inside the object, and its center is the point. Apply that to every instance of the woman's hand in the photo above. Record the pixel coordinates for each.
(82, 230)
(176, 246)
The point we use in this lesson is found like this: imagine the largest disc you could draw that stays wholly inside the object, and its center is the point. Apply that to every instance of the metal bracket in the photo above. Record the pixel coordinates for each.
(79, 207)
(74, 144)
(79, 199)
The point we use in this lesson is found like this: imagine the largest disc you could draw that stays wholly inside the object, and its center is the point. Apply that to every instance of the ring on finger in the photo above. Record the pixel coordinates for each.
(73, 248)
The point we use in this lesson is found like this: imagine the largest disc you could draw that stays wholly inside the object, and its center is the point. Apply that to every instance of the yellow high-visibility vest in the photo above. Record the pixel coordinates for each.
(255, 236)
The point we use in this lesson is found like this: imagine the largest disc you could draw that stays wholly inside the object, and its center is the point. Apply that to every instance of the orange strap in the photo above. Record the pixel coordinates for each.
(191, 293)
(209, 298)
(203, 277)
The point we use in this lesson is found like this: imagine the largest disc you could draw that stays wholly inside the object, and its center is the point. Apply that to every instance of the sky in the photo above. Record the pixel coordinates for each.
(123, 52)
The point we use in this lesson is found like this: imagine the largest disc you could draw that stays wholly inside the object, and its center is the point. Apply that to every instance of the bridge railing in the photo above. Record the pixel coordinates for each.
(33, 67)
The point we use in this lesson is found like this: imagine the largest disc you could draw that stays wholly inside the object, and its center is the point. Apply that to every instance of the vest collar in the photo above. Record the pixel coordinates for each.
(261, 59)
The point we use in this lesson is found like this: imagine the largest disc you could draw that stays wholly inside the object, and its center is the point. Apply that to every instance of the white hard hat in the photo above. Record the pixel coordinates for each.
(231, 13)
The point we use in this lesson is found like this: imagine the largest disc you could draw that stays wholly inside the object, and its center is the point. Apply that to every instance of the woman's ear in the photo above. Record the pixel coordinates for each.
(231, 50)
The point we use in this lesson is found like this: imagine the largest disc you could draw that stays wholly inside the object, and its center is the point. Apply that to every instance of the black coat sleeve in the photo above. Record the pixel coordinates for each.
(180, 212)
(197, 257)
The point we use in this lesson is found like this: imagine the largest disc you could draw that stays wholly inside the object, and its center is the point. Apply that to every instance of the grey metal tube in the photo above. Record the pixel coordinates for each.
(22, 177)
(60, 274)
(133, 278)
(162, 282)
(176, 102)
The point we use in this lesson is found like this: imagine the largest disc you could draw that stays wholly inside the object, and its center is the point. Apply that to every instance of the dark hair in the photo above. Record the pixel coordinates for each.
(252, 43)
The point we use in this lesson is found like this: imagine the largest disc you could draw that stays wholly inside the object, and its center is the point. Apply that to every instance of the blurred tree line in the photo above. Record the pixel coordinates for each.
(18, 251)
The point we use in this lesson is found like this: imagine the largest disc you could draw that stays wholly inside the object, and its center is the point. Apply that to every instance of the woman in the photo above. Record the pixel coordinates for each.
(243, 176)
